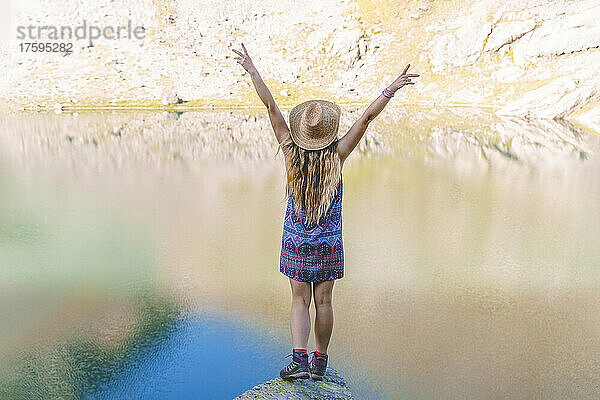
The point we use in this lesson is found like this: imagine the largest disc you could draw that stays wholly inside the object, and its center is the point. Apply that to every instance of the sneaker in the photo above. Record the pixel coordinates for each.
(297, 369)
(317, 366)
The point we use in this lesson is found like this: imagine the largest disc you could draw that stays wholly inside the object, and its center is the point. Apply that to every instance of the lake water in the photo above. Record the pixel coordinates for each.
(139, 257)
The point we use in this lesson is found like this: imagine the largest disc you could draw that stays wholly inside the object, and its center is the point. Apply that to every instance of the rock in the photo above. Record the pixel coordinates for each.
(171, 98)
(507, 32)
(556, 99)
(492, 46)
(589, 117)
(345, 41)
(333, 386)
(576, 30)
(508, 74)
(463, 44)
(362, 47)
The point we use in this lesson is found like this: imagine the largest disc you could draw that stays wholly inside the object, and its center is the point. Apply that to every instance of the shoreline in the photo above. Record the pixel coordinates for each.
(68, 107)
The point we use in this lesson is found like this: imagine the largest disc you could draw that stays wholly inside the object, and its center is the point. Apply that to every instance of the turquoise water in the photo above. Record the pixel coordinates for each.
(208, 355)
(138, 249)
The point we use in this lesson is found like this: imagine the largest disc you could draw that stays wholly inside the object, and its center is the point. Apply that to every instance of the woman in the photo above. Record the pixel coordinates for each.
(311, 247)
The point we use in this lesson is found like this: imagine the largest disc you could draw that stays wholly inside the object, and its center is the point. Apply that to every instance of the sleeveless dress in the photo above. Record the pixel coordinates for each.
(313, 253)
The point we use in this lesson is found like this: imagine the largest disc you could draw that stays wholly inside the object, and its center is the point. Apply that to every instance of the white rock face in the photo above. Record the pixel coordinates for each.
(566, 94)
(345, 41)
(526, 57)
(463, 42)
(590, 118)
(577, 29)
(507, 32)
(564, 27)
(187, 50)
(516, 43)
(508, 74)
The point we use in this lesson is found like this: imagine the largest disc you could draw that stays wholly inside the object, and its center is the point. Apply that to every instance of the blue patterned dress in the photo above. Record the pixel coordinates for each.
(313, 253)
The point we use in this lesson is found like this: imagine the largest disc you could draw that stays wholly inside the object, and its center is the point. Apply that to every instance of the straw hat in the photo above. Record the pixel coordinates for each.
(314, 124)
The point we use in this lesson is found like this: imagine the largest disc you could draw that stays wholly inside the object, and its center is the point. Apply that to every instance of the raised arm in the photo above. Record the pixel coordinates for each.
(349, 141)
(277, 121)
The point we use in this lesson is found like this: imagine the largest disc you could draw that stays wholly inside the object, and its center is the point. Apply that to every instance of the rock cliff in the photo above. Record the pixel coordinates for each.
(529, 58)
(332, 387)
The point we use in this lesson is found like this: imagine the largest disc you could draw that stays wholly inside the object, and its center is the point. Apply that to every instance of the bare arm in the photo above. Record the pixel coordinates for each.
(349, 141)
(277, 121)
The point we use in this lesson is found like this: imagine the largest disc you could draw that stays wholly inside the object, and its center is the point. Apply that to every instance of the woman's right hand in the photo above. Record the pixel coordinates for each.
(402, 80)
(244, 59)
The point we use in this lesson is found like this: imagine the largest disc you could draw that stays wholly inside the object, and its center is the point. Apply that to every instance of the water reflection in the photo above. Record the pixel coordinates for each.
(471, 242)
(102, 141)
(80, 361)
(211, 355)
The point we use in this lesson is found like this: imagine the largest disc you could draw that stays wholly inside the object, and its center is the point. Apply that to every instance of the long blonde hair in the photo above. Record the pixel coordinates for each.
(312, 177)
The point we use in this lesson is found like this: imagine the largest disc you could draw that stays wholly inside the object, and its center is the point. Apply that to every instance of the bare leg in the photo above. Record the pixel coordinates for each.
(300, 317)
(324, 318)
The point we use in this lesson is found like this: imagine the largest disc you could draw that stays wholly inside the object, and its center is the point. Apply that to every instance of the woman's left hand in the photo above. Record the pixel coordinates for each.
(244, 59)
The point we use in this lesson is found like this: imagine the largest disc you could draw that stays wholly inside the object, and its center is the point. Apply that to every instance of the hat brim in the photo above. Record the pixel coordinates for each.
(298, 135)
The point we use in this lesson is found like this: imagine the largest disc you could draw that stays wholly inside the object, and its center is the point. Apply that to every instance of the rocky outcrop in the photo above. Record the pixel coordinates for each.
(557, 99)
(529, 58)
(187, 51)
(503, 33)
(461, 40)
(541, 30)
(332, 387)
(576, 28)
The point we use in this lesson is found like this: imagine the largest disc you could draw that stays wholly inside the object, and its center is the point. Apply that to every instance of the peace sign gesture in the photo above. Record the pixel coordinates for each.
(244, 59)
(402, 80)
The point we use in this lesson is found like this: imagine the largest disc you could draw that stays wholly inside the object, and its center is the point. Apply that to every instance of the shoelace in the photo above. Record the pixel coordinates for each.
(312, 364)
(291, 365)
